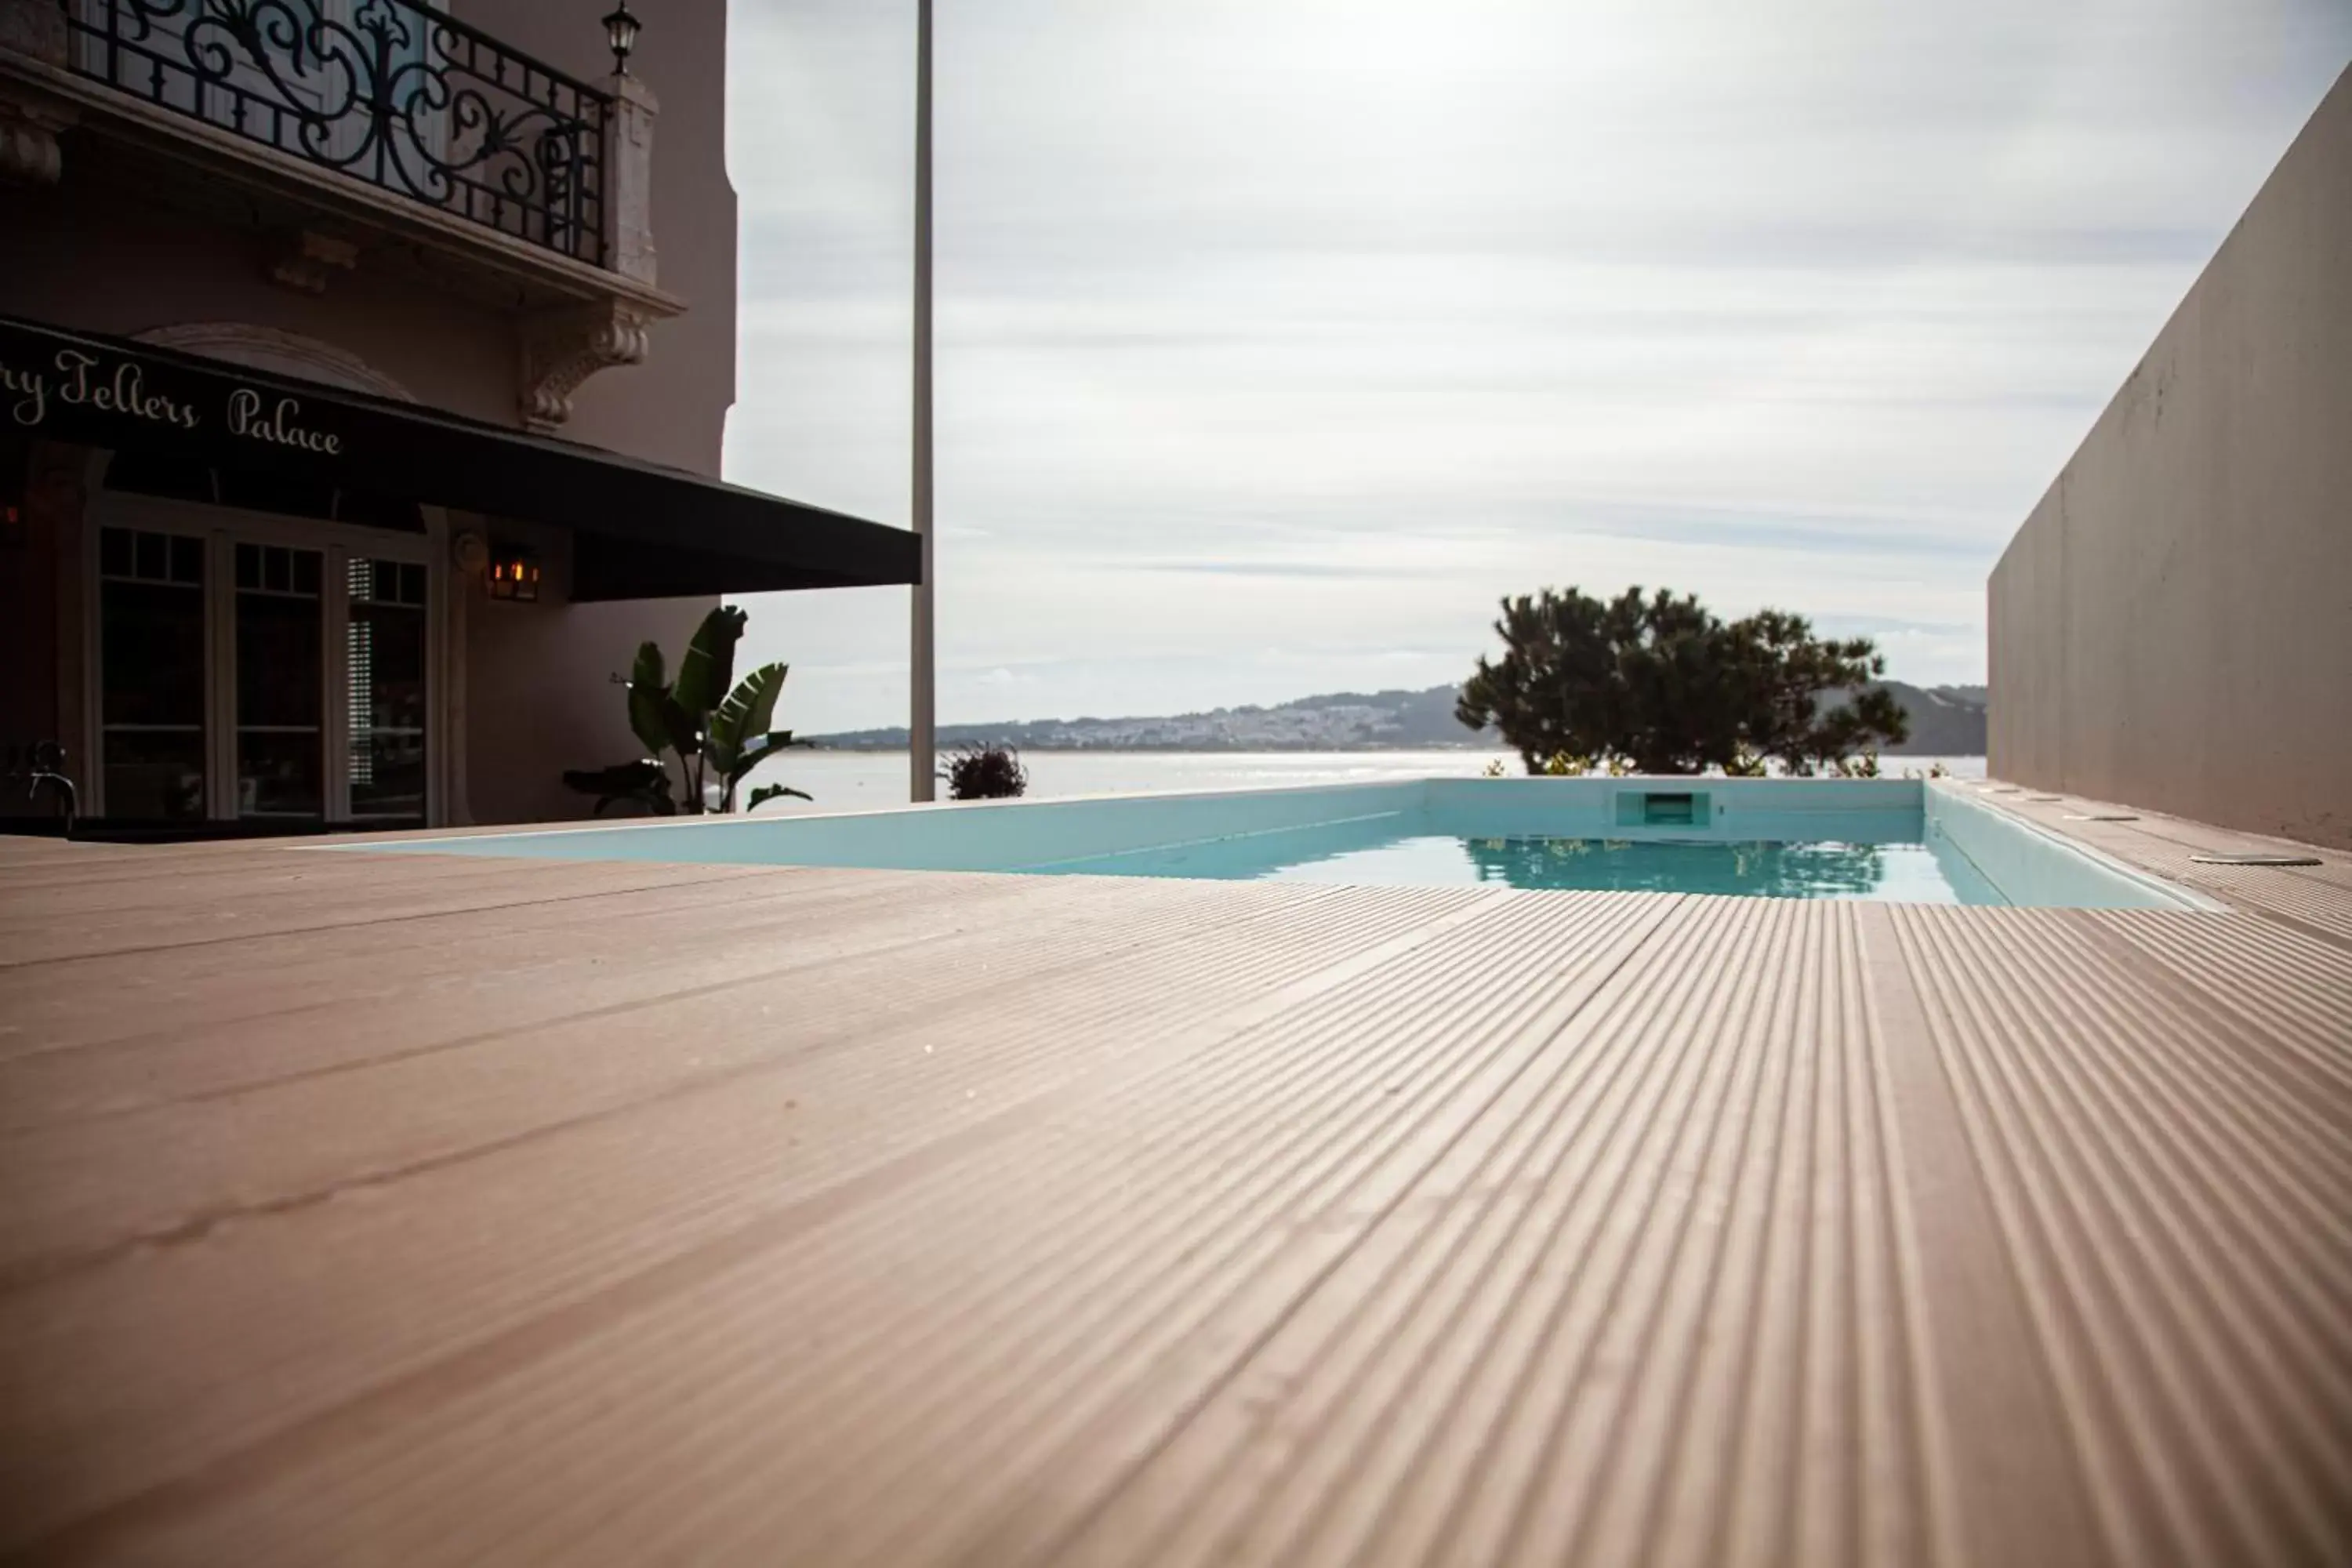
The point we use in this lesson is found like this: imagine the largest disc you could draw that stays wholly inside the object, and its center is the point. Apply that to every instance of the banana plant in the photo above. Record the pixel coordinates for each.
(718, 728)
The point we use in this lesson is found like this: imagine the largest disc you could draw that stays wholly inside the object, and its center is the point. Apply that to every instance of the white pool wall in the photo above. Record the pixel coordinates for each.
(2033, 866)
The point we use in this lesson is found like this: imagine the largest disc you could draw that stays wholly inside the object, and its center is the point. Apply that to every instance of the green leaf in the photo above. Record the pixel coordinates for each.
(709, 667)
(766, 793)
(752, 756)
(647, 691)
(684, 732)
(745, 715)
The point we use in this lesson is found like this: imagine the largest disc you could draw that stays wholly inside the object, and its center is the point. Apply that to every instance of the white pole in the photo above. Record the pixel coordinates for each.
(921, 734)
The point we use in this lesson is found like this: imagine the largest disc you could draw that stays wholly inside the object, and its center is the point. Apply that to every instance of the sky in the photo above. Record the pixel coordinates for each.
(1278, 338)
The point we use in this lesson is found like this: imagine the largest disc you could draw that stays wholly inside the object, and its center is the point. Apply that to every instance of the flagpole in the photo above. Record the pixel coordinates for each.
(921, 734)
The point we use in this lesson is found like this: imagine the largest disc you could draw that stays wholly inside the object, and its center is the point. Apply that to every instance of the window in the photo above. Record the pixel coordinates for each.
(150, 613)
(280, 671)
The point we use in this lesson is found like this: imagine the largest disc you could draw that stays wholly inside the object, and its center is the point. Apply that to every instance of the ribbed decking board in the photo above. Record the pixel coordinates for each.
(402, 1209)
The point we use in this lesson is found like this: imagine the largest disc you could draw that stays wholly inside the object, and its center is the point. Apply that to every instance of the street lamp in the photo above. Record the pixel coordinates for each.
(621, 32)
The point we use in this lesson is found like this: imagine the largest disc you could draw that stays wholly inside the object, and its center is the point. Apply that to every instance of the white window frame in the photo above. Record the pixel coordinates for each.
(224, 529)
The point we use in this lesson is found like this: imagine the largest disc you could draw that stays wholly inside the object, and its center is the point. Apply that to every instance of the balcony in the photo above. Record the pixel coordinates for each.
(407, 100)
(348, 128)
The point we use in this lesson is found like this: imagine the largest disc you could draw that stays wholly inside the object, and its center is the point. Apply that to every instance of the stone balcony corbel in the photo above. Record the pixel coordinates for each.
(31, 119)
(561, 349)
(28, 141)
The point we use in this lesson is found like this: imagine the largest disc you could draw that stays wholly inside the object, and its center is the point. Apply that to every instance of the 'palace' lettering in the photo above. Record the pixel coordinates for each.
(278, 427)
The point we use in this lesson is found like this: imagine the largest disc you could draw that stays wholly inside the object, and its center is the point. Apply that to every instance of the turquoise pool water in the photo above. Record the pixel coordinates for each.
(1380, 854)
(1888, 840)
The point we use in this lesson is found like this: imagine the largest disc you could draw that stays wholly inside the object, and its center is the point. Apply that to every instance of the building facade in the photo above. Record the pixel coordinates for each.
(2172, 627)
(367, 364)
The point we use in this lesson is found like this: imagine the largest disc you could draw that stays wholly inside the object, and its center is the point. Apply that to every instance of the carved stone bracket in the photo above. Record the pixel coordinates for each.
(28, 141)
(561, 349)
(34, 30)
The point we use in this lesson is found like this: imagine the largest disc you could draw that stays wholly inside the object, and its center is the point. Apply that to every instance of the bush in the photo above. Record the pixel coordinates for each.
(986, 772)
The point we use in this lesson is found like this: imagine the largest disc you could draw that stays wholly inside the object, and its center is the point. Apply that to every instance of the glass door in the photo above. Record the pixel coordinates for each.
(281, 714)
(152, 735)
(261, 670)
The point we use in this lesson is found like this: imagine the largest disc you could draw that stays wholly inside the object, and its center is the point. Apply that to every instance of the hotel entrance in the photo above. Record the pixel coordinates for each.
(260, 669)
(243, 601)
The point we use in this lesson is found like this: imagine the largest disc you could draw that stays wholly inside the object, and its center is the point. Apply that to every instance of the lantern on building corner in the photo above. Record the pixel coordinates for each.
(621, 32)
(514, 575)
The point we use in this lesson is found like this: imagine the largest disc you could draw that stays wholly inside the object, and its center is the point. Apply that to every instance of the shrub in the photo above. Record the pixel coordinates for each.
(985, 773)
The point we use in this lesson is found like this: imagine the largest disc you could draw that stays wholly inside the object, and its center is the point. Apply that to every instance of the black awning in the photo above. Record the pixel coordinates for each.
(641, 530)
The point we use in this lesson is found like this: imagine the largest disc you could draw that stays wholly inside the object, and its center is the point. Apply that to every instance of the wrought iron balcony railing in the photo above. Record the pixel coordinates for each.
(392, 93)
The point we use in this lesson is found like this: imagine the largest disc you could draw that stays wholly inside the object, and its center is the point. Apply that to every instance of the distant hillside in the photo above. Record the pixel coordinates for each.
(1945, 721)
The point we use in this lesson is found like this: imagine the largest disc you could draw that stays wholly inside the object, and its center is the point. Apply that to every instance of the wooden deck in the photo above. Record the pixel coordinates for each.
(408, 1210)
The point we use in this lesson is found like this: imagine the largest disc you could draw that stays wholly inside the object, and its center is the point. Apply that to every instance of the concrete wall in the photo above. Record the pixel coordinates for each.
(2172, 627)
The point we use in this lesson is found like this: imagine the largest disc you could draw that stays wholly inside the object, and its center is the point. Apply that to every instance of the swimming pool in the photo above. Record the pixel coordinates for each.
(1887, 840)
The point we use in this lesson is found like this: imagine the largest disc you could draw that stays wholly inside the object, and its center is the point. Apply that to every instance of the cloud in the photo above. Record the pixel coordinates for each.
(1280, 337)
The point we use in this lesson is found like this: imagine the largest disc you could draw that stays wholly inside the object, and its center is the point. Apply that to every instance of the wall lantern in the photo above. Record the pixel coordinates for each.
(621, 32)
(514, 574)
